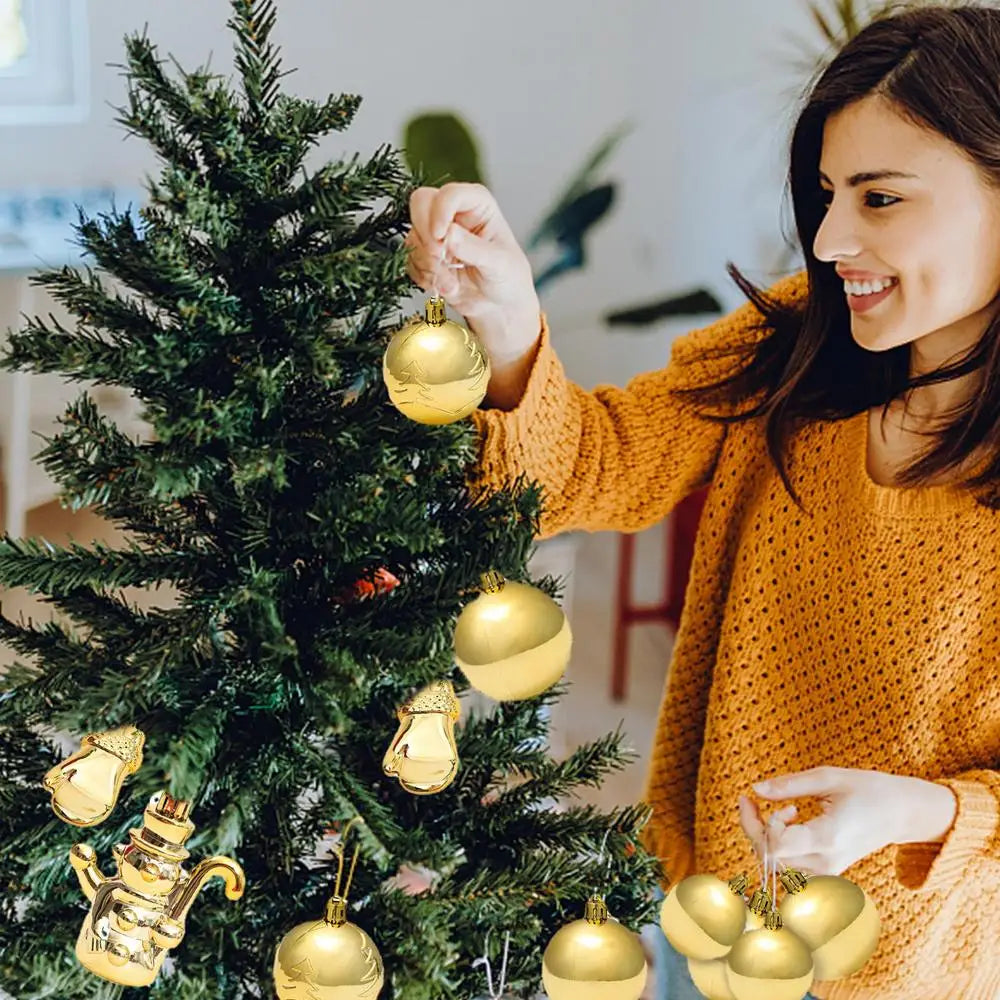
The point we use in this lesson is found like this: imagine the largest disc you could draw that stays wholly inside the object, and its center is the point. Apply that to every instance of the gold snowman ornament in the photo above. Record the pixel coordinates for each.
(436, 370)
(138, 915)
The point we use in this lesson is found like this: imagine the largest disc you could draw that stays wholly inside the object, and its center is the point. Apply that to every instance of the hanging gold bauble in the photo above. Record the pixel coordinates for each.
(328, 959)
(85, 786)
(423, 754)
(595, 958)
(710, 977)
(769, 965)
(837, 920)
(436, 370)
(702, 916)
(513, 641)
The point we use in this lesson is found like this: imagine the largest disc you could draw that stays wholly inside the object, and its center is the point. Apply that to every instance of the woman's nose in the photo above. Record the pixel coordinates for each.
(837, 236)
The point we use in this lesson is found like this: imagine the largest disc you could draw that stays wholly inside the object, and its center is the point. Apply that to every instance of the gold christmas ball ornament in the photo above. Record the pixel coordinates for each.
(769, 965)
(837, 920)
(703, 916)
(513, 641)
(595, 958)
(423, 754)
(85, 786)
(328, 959)
(436, 370)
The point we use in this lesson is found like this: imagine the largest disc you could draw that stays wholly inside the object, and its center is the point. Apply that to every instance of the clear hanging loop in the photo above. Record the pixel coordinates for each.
(497, 993)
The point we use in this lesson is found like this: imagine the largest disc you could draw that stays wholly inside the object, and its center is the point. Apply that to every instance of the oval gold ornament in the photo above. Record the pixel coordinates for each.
(513, 641)
(328, 959)
(702, 917)
(595, 958)
(769, 965)
(837, 920)
(436, 371)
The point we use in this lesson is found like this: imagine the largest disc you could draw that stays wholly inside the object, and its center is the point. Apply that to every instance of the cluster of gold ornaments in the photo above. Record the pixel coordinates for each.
(826, 928)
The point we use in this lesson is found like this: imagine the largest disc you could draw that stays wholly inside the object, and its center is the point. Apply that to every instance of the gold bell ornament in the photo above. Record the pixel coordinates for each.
(329, 959)
(85, 786)
(595, 958)
(423, 754)
(835, 917)
(436, 370)
(703, 916)
(137, 915)
(513, 641)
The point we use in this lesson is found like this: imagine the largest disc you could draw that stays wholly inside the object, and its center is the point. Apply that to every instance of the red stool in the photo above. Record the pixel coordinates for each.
(679, 534)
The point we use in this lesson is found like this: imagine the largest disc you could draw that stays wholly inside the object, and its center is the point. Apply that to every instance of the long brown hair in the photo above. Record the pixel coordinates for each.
(940, 67)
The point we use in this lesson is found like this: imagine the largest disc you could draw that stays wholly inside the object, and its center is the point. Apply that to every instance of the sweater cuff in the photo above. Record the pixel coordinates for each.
(938, 867)
(509, 438)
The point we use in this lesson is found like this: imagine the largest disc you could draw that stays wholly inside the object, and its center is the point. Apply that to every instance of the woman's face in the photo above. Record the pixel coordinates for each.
(907, 208)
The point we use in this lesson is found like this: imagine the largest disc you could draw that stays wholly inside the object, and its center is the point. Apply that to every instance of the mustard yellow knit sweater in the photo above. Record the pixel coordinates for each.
(864, 634)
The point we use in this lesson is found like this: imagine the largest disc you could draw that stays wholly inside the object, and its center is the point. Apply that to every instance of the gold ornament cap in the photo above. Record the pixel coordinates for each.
(438, 696)
(434, 310)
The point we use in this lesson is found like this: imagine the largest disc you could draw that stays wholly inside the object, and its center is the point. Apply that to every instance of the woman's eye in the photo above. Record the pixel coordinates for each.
(875, 200)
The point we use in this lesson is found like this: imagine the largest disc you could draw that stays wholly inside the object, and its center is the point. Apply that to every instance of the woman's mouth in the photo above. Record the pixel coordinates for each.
(865, 295)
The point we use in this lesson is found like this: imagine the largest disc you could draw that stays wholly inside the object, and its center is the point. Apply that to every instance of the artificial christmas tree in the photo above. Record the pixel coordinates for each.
(248, 306)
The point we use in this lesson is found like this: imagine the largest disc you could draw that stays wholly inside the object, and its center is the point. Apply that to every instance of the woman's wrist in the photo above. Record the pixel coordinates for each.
(933, 815)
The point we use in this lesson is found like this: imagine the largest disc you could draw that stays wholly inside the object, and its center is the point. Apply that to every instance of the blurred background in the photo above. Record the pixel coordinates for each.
(701, 96)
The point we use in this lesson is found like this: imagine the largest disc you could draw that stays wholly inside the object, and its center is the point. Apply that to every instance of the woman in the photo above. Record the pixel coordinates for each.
(841, 632)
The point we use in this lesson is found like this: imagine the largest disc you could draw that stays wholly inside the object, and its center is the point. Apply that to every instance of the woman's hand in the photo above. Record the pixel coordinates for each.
(864, 811)
(494, 290)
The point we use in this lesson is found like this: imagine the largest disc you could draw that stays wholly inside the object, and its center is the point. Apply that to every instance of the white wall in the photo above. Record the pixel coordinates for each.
(701, 174)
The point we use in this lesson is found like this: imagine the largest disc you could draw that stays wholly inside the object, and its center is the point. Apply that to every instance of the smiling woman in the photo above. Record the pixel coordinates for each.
(841, 628)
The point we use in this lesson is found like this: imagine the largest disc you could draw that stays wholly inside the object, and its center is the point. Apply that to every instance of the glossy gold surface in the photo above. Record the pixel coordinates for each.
(594, 959)
(513, 642)
(769, 965)
(325, 960)
(435, 370)
(423, 754)
(702, 917)
(837, 920)
(85, 786)
(138, 914)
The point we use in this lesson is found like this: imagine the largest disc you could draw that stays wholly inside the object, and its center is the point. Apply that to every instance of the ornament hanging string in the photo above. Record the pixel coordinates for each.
(600, 861)
(495, 994)
(442, 262)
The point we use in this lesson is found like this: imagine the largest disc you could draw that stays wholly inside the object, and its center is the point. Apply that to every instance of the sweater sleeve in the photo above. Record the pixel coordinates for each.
(617, 458)
(975, 833)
